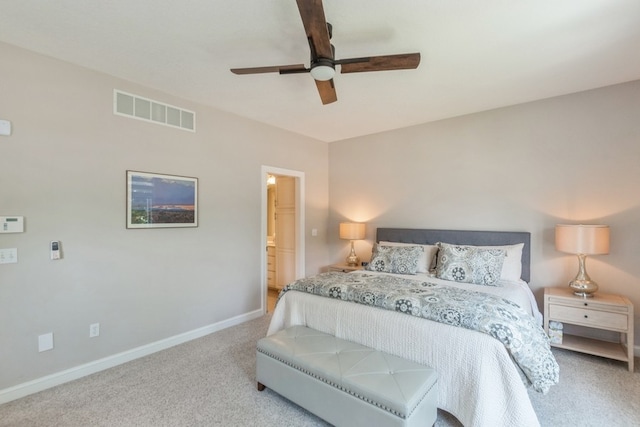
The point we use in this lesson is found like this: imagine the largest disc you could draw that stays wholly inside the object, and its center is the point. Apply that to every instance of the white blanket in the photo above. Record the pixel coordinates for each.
(477, 380)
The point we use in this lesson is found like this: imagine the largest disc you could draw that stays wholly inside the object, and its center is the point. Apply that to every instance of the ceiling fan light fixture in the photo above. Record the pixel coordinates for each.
(323, 71)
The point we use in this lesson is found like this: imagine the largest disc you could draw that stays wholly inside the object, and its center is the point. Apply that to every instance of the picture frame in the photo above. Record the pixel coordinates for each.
(161, 201)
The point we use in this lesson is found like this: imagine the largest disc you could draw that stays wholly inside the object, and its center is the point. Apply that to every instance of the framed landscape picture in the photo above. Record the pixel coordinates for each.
(161, 201)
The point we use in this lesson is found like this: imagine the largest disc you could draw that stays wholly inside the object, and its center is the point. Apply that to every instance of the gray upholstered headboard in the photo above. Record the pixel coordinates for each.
(462, 237)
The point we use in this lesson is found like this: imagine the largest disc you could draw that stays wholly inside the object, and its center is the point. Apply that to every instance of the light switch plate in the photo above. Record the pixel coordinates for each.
(9, 256)
(5, 127)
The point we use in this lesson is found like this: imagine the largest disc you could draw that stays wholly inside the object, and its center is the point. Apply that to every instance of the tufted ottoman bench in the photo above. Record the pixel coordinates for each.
(345, 383)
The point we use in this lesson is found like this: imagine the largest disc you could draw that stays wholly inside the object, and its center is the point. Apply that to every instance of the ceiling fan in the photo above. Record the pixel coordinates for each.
(323, 63)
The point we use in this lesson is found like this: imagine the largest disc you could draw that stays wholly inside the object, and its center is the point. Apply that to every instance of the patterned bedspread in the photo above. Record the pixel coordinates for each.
(505, 321)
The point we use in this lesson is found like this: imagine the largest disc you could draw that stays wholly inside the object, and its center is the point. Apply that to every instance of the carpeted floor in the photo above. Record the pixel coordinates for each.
(210, 382)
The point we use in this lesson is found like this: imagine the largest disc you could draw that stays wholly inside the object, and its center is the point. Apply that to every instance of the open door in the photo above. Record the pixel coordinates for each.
(283, 237)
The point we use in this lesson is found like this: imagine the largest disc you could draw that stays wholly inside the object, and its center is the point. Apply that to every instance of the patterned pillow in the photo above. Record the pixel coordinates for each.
(427, 262)
(469, 264)
(395, 259)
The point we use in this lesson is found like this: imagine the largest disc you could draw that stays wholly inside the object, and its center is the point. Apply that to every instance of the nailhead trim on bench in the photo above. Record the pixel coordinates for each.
(339, 387)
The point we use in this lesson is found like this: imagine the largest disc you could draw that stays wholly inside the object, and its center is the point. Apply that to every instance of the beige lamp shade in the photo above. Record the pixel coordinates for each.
(582, 239)
(352, 231)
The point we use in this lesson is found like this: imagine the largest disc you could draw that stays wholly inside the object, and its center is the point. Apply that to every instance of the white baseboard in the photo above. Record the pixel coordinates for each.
(40, 384)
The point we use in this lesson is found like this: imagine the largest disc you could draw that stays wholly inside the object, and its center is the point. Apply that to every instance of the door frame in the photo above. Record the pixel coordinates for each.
(300, 226)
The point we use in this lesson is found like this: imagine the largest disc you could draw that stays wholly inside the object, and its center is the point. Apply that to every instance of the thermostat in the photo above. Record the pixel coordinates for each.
(11, 224)
(55, 249)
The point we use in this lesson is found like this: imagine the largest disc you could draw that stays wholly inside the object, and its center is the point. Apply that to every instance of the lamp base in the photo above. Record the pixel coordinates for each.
(352, 260)
(582, 285)
(583, 288)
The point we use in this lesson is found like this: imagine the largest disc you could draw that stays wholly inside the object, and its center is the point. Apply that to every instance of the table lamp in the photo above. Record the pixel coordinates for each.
(582, 240)
(352, 231)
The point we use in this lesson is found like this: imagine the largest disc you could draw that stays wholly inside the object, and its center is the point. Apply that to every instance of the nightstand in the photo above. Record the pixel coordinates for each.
(602, 311)
(345, 268)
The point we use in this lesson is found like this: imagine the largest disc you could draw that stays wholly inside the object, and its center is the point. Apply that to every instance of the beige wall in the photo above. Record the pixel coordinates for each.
(574, 158)
(63, 169)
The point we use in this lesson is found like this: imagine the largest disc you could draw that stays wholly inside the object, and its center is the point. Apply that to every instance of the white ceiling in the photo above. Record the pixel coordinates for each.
(476, 54)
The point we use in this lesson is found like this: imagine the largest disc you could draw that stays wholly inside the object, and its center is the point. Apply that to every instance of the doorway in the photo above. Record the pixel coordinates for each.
(282, 231)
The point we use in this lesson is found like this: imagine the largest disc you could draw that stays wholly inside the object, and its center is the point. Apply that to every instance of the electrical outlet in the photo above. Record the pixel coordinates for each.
(94, 330)
(45, 342)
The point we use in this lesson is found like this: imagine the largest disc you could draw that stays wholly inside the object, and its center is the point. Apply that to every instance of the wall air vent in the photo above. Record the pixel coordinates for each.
(137, 107)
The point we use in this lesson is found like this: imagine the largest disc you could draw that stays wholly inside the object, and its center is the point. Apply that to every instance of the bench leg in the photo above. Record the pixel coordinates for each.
(261, 387)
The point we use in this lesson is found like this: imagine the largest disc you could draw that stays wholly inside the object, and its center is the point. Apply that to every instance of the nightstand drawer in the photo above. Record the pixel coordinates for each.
(590, 304)
(588, 317)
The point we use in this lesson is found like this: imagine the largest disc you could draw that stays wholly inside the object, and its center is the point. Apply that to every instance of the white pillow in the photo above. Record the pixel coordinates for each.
(426, 262)
(512, 267)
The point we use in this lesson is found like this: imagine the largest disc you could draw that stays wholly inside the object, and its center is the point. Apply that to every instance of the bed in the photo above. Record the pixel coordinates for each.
(479, 381)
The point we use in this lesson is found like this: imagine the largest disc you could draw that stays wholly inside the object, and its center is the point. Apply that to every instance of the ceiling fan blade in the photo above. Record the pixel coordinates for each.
(315, 25)
(327, 91)
(282, 69)
(296, 70)
(403, 61)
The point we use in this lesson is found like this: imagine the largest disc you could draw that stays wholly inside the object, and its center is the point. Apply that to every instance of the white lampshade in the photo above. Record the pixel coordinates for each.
(352, 231)
(582, 239)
